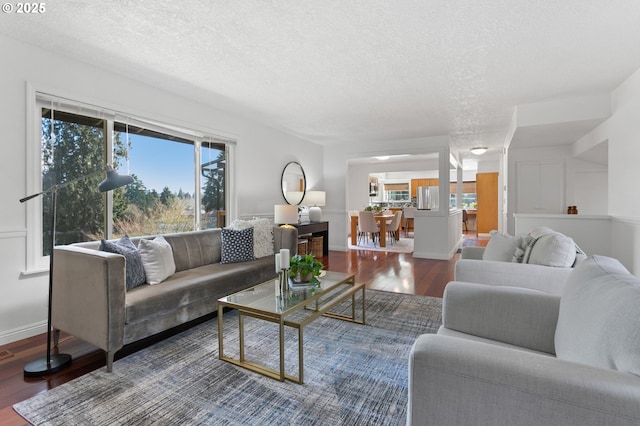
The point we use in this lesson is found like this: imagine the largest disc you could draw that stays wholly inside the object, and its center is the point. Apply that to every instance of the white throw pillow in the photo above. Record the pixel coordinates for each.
(501, 247)
(553, 249)
(157, 259)
(262, 235)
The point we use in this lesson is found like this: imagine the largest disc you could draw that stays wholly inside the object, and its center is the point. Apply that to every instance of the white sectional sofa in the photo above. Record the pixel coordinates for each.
(520, 357)
(541, 260)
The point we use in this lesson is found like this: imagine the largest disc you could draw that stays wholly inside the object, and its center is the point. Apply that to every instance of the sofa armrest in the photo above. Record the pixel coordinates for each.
(461, 382)
(472, 252)
(537, 277)
(89, 295)
(517, 316)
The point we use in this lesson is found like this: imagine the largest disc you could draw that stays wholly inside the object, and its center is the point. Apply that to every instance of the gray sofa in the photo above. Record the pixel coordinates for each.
(91, 302)
(521, 357)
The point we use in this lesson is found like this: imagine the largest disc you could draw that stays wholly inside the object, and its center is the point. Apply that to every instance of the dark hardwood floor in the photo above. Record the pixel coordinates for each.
(393, 272)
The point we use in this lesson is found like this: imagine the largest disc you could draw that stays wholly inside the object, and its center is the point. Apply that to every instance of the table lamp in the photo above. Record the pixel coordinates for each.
(285, 214)
(314, 199)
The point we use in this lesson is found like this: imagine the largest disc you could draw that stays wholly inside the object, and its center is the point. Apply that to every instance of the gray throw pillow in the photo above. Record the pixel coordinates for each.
(599, 319)
(237, 245)
(501, 247)
(134, 270)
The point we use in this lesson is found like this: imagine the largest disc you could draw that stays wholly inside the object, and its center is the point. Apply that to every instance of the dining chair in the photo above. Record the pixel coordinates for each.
(409, 214)
(367, 224)
(394, 227)
(465, 220)
(351, 214)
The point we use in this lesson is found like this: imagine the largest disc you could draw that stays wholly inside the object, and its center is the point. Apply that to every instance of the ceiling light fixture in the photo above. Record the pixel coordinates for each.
(479, 150)
(383, 157)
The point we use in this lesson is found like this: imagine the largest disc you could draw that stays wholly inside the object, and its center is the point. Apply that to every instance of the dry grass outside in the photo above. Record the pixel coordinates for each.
(176, 216)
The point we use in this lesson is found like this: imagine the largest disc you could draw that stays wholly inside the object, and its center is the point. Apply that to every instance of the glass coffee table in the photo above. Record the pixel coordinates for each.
(295, 309)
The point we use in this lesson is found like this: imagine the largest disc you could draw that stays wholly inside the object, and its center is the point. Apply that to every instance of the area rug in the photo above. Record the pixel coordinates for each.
(403, 245)
(354, 375)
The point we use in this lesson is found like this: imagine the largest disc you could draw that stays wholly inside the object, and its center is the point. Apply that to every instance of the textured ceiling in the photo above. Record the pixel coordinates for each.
(338, 71)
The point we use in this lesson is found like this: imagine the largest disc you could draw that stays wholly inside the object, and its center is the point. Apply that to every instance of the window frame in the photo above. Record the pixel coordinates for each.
(36, 263)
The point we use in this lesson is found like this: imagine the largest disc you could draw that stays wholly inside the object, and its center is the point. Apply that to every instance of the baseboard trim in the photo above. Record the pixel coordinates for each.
(16, 334)
(430, 255)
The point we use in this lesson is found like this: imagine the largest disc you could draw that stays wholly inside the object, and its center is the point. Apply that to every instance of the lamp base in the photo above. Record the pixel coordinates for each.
(315, 214)
(40, 367)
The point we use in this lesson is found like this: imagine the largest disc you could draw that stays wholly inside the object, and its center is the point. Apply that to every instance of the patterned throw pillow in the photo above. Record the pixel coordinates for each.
(262, 235)
(237, 245)
(135, 275)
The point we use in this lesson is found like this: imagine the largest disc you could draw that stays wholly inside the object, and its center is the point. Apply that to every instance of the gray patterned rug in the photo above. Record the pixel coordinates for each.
(354, 375)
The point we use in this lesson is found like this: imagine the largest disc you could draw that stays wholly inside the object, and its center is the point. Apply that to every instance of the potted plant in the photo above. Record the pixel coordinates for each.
(305, 268)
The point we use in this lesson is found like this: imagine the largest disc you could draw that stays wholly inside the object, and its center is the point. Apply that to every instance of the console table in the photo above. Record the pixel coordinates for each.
(316, 228)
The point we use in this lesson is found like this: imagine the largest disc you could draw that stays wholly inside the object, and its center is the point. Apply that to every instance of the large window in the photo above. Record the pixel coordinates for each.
(469, 199)
(169, 193)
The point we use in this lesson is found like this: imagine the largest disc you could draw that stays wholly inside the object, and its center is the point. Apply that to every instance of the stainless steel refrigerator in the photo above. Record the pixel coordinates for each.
(428, 197)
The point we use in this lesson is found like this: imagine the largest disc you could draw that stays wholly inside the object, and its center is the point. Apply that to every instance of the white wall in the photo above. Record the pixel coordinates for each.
(257, 167)
(622, 131)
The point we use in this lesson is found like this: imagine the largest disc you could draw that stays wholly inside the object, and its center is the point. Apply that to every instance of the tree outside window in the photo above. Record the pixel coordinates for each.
(75, 145)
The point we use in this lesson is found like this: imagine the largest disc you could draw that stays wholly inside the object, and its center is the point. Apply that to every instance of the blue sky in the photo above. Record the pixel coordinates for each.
(159, 163)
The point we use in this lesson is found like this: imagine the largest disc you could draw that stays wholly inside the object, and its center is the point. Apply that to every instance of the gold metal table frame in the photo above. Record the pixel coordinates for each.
(259, 302)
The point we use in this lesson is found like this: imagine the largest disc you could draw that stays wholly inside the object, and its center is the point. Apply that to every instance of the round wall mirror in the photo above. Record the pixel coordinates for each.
(294, 183)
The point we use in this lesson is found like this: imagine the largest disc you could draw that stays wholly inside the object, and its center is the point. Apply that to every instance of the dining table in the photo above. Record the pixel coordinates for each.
(382, 221)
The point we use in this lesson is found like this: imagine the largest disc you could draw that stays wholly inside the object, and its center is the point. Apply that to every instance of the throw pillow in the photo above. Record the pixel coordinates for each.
(134, 270)
(599, 320)
(262, 235)
(522, 242)
(501, 247)
(157, 258)
(237, 245)
(553, 249)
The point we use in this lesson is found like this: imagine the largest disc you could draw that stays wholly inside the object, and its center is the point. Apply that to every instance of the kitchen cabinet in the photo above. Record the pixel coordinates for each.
(422, 182)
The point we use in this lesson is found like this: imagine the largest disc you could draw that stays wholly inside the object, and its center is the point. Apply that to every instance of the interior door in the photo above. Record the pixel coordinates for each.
(487, 194)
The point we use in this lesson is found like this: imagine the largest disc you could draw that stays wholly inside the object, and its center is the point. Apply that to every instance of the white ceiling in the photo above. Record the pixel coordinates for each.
(337, 71)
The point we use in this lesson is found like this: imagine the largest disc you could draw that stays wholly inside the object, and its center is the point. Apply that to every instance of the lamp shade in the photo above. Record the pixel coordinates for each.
(314, 198)
(284, 214)
(113, 180)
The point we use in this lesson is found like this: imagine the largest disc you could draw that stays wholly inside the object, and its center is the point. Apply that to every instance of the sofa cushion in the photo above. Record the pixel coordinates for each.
(237, 245)
(552, 249)
(157, 258)
(599, 319)
(194, 249)
(184, 288)
(262, 235)
(501, 247)
(134, 269)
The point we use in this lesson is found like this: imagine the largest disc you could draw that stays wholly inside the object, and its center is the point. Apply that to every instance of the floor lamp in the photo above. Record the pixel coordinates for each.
(56, 362)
